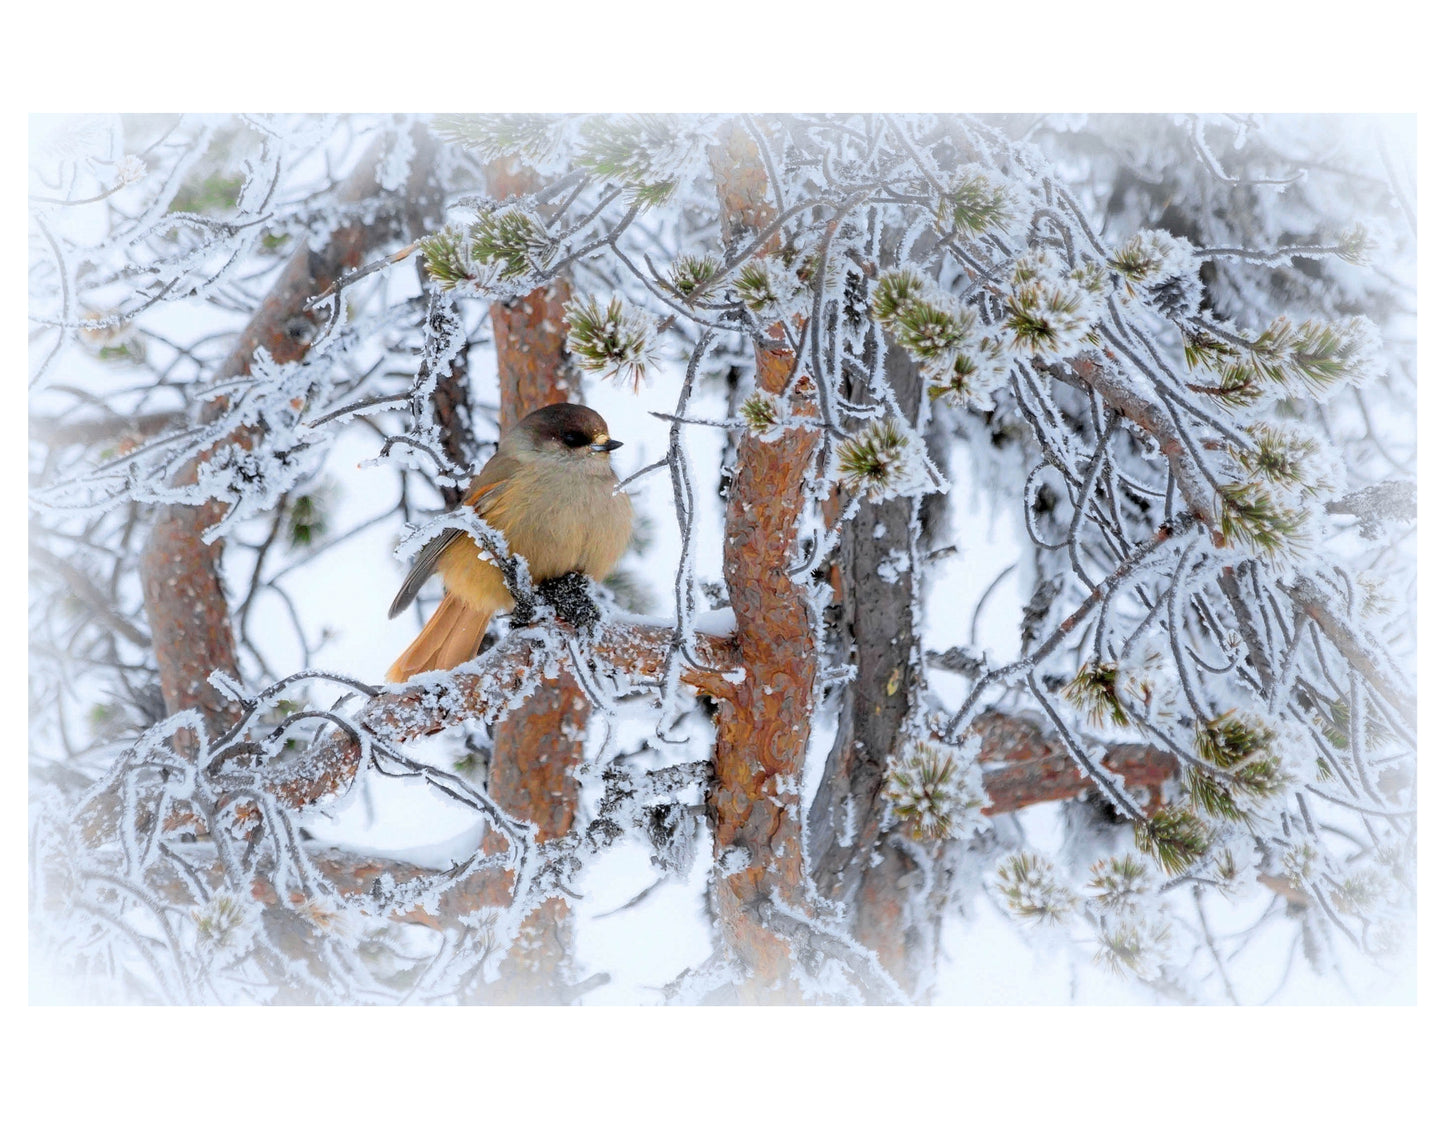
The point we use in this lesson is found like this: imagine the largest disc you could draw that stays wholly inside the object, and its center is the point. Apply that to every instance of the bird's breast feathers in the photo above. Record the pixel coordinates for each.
(560, 520)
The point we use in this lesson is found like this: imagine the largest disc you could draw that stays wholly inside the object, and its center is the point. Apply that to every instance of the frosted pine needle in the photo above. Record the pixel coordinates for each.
(883, 460)
(1027, 884)
(930, 792)
(616, 342)
(1174, 837)
(1119, 883)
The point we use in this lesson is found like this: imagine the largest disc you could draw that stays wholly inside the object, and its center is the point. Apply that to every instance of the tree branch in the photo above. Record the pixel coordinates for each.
(180, 574)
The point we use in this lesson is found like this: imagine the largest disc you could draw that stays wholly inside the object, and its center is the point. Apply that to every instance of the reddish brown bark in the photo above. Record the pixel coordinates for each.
(1022, 767)
(532, 356)
(630, 649)
(530, 332)
(537, 746)
(763, 723)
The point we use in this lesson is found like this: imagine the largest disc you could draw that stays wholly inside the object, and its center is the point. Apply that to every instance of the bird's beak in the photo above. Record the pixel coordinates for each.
(606, 445)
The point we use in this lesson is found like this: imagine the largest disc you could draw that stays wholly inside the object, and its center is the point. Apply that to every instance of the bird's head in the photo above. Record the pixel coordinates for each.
(569, 433)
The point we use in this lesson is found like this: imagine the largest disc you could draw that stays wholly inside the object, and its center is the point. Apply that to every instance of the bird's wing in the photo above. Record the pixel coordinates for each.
(482, 495)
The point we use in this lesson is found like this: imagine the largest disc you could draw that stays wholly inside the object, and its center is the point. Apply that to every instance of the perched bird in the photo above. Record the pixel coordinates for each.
(551, 491)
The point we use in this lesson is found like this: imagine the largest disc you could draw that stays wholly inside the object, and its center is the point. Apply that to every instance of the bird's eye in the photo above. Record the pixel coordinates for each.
(574, 439)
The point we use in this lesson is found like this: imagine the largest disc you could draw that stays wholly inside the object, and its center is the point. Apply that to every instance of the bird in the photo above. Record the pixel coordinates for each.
(551, 491)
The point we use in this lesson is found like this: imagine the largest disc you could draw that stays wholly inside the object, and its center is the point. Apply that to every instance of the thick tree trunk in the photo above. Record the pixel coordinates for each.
(537, 746)
(763, 725)
(853, 864)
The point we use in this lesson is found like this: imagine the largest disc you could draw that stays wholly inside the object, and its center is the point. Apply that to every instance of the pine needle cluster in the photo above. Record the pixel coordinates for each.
(1252, 514)
(615, 342)
(445, 255)
(961, 366)
(1163, 268)
(1359, 892)
(1119, 883)
(1174, 837)
(691, 273)
(531, 137)
(511, 239)
(777, 286)
(931, 332)
(508, 240)
(761, 411)
(973, 377)
(928, 324)
(929, 792)
(306, 519)
(975, 201)
(1334, 723)
(1282, 457)
(1313, 354)
(1246, 769)
(1109, 693)
(880, 460)
(223, 923)
(1027, 884)
(894, 292)
(761, 286)
(1050, 311)
(1131, 944)
(1266, 506)
(1095, 690)
(1358, 245)
(1300, 863)
(647, 153)
(1305, 359)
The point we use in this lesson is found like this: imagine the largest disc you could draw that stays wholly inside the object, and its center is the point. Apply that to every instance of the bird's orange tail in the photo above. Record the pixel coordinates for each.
(451, 637)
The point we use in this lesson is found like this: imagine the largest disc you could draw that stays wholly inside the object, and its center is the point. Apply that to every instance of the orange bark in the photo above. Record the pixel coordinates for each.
(1022, 767)
(763, 723)
(537, 746)
(498, 676)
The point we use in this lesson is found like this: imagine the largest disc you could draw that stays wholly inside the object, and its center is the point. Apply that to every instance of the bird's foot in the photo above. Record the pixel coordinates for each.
(571, 598)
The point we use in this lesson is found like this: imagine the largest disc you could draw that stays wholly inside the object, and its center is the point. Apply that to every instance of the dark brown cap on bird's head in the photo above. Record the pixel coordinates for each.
(570, 425)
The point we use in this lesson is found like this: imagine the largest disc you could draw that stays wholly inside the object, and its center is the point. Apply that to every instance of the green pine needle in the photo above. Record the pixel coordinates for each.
(615, 342)
(1039, 317)
(1095, 690)
(512, 240)
(627, 149)
(974, 203)
(1027, 883)
(929, 331)
(531, 137)
(691, 273)
(927, 792)
(872, 459)
(1118, 883)
(893, 292)
(1250, 514)
(1281, 457)
(755, 286)
(306, 521)
(445, 258)
(761, 412)
(1174, 837)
